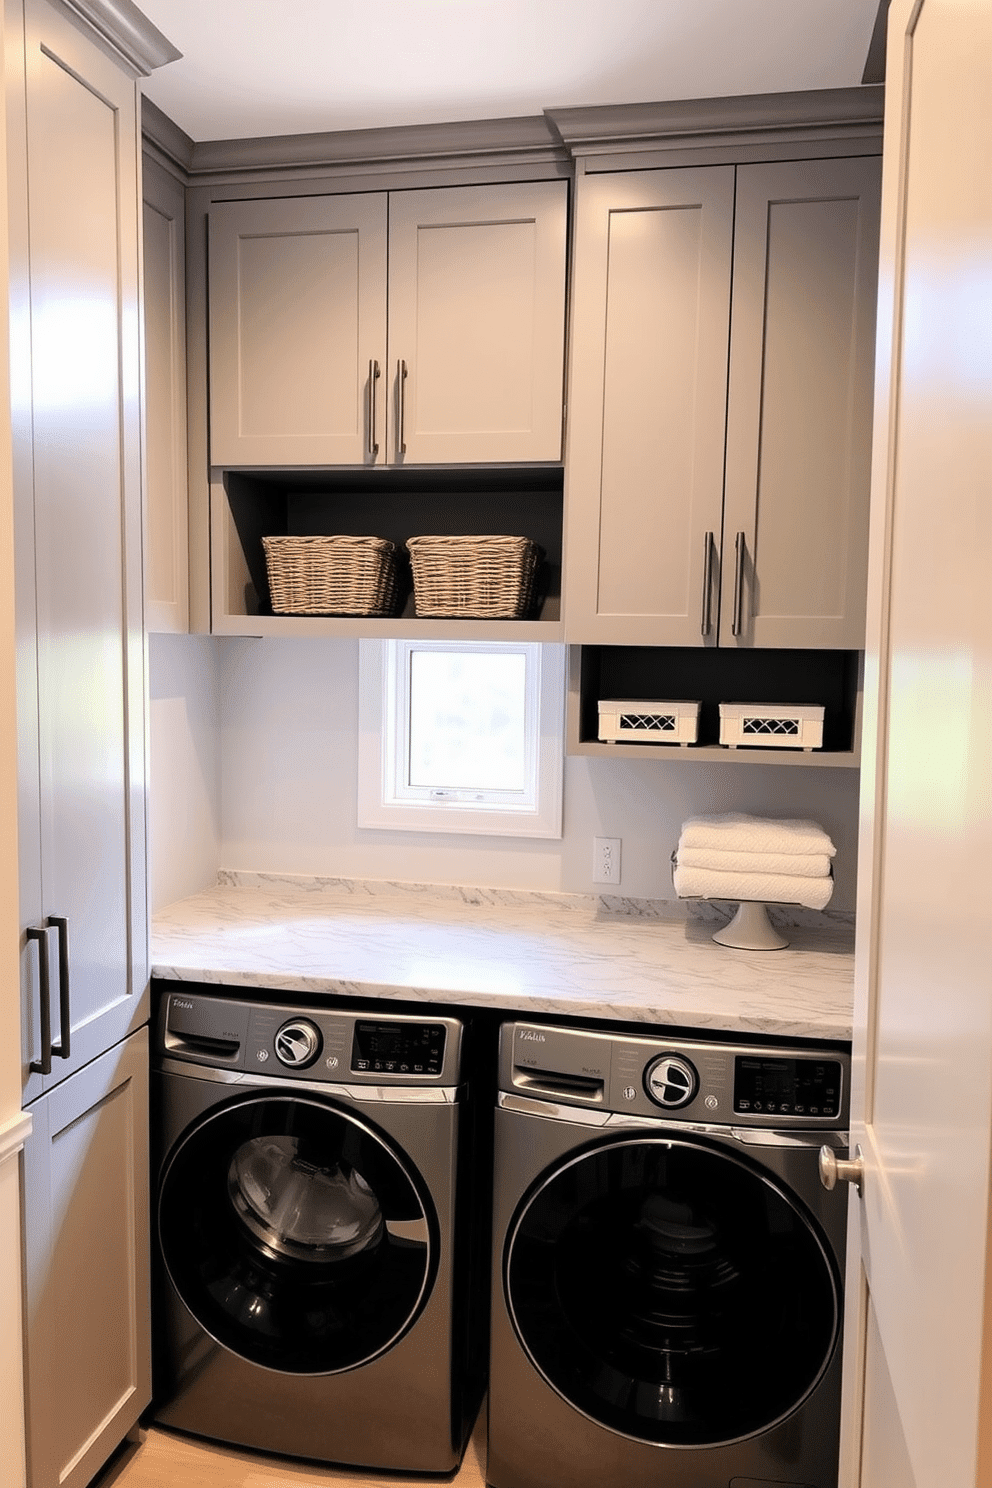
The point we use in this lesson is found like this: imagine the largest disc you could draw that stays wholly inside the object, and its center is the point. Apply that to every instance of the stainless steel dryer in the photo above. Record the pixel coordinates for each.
(314, 1267)
(666, 1265)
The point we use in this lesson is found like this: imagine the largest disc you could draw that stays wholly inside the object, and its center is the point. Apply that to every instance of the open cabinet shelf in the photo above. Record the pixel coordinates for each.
(712, 676)
(247, 505)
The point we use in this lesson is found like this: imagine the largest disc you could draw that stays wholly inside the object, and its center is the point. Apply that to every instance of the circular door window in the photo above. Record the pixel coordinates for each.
(671, 1292)
(296, 1236)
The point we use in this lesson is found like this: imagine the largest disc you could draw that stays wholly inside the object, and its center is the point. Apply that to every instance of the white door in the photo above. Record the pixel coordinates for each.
(919, 1348)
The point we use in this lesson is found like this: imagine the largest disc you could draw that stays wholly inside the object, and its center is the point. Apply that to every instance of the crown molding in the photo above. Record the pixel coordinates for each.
(165, 139)
(853, 115)
(407, 146)
(622, 127)
(121, 26)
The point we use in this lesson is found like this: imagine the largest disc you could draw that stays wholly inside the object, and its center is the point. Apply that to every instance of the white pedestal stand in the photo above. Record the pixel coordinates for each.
(751, 929)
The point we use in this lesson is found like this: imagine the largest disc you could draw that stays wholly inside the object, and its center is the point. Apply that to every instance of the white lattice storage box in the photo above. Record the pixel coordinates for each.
(648, 722)
(775, 725)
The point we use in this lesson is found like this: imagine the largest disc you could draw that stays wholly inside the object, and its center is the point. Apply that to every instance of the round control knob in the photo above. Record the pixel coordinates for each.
(297, 1043)
(671, 1081)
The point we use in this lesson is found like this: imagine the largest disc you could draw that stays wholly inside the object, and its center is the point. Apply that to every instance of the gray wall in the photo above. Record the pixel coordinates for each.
(253, 765)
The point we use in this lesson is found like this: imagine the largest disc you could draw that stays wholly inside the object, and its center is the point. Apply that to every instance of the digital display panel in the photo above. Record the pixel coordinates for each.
(787, 1087)
(397, 1048)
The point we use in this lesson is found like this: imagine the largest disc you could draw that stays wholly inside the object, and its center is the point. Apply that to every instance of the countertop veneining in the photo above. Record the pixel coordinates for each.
(539, 954)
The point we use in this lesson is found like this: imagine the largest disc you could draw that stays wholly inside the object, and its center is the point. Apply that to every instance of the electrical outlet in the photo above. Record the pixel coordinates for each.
(606, 860)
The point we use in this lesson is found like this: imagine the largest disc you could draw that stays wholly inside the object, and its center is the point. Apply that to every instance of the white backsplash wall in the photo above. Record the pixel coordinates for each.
(288, 756)
(184, 745)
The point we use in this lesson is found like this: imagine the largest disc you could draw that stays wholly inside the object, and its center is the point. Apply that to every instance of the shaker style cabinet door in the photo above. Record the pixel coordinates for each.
(76, 422)
(802, 346)
(87, 1305)
(166, 490)
(298, 331)
(647, 406)
(477, 323)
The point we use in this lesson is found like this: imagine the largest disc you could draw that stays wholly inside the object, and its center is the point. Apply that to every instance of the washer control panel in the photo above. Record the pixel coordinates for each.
(778, 1086)
(671, 1081)
(390, 1047)
(311, 1043)
(708, 1082)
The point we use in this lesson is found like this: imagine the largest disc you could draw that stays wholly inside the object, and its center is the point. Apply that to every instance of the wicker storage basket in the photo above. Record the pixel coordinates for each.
(478, 578)
(332, 575)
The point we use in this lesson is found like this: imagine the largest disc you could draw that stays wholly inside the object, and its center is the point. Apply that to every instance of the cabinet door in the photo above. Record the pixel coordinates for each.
(647, 406)
(86, 1247)
(164, 301)
(74, 153)
(800, 400)
(477, 322)
(297, 331)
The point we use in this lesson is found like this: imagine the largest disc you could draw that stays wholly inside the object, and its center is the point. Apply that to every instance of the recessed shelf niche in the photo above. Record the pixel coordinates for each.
(248, 505)
(713, 676)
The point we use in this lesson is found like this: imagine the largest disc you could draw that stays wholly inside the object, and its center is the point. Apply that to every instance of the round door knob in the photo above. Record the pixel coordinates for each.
(297, 1043)
(834, 1169)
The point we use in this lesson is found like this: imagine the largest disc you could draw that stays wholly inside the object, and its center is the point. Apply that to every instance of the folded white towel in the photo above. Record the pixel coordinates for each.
(769, 888)
(736, 832)
(803, 865)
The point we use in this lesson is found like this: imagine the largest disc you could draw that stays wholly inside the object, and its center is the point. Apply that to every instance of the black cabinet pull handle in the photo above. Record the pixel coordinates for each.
(707, 620)
(43, 1066)
(61, 924)
(373, 436)
(401, 400)
(739, 551)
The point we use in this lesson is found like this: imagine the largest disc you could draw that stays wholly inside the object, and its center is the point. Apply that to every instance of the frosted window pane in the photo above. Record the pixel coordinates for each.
(467, 720)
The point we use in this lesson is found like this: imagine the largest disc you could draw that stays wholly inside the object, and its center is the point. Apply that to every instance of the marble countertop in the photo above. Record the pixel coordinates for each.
(581, 955)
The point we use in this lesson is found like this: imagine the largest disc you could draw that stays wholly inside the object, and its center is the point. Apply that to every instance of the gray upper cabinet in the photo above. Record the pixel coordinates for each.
(795, 525)
(297, 330)
(477, 323)
(719, 427)
(166, 490)
(307, 369)
(647, 403)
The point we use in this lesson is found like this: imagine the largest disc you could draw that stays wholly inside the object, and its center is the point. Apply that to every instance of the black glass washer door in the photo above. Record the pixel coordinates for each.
(671, 1292)
(296, 1236)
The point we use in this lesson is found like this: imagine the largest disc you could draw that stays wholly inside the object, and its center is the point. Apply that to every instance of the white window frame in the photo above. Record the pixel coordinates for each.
(387, 801)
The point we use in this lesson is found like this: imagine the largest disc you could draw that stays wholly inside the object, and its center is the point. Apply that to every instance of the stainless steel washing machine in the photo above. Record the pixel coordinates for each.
(667, 1268)
(314, 1276)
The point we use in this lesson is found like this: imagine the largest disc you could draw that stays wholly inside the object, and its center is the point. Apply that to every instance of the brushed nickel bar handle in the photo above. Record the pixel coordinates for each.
(61, 924)
(707, 621)
(401, 400)
(373, 379)
(43, 1066)
(738, 622)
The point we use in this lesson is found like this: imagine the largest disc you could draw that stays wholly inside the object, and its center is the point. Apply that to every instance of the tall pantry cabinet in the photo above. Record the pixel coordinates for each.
(75, 353)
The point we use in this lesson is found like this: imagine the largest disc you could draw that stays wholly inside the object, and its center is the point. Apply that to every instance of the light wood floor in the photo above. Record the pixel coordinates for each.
(166, 1459)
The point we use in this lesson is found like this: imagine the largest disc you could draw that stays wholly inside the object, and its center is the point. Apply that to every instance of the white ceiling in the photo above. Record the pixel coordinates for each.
(262, 67)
